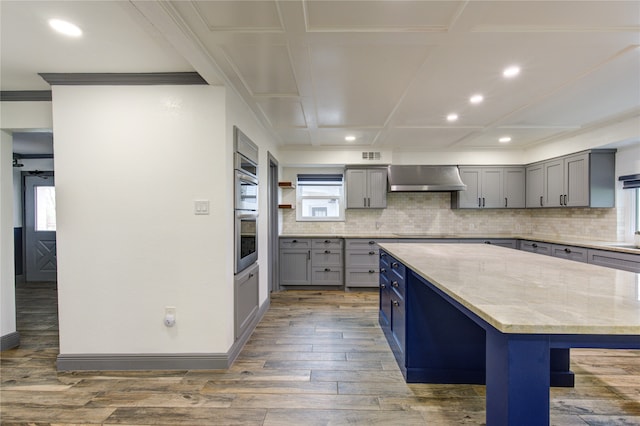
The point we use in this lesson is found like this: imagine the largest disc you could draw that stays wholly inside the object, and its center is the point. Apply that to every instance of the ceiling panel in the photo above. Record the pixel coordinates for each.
(398, 16)
(283, 112)
(608, 91)
(243, 15)
(336, 137)
(425, 138)
(294, 136)
(360, 85)
(264, 69)
(520, 137)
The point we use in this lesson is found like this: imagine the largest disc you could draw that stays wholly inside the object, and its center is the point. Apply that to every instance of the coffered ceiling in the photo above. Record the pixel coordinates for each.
(386, 72)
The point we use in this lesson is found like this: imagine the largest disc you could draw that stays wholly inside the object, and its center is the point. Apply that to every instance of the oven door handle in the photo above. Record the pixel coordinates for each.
(246, 215)
(246, 178)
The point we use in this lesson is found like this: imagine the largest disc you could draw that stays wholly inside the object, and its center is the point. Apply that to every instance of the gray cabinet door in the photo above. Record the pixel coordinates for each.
(535, 247)
(625, 261)
(535, 185)
(295, 267)
(356, 188)
(377, 182)
(491, 188)
(576, 174)
(553, 183)
(514, 187)
(470, 198)
(579, 254)
(246, 295)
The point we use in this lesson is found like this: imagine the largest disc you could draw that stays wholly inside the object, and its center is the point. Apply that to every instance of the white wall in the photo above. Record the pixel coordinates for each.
(130, 161)
(26, 115)
(7, 281)
(239, 114)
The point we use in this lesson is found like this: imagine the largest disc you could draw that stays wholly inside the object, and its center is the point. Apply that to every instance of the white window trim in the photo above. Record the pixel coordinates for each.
(299, 198)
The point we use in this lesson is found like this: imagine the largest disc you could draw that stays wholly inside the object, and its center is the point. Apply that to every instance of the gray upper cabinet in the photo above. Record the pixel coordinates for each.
(367, 188)
(490, 187)
(514, 187)
(535, 185)
(585, 179)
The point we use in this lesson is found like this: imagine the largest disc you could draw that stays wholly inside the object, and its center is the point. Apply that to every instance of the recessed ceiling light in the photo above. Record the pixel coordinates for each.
(452, 117)
(64, 27)
(511, 71)
(350, 138)
(476, 99)
(504, 139)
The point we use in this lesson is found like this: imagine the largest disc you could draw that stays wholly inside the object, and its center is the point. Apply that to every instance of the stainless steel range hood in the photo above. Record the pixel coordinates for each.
(424, 178)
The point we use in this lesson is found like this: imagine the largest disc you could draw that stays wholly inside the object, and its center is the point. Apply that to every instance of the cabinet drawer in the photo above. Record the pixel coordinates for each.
(625, 261)
(509, 243)
(327, 243)
(535, 247)
(326, 257)
(362, 277)
(362, 258)
(578, 254)
(360, 244)
(326, 276)
(298, 243)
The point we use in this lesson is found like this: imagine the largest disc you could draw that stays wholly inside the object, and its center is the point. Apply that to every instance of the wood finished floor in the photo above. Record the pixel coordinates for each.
(317, 358)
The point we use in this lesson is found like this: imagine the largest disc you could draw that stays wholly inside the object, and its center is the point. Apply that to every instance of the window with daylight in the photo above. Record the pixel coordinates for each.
(320, 197)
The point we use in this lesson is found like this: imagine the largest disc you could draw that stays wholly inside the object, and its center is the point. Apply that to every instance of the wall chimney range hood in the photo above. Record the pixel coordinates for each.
(424, 179)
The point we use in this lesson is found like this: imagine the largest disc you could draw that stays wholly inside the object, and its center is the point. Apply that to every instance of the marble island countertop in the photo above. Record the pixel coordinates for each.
(620, 247)
(521, 292)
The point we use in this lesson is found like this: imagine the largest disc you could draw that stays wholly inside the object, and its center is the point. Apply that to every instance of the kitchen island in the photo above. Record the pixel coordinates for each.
(461, 313)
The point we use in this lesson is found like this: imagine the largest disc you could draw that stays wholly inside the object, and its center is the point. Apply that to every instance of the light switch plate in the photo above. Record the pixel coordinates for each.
(201, 207)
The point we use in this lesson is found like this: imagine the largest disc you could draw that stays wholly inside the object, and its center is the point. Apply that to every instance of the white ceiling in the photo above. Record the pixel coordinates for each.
(387, 72)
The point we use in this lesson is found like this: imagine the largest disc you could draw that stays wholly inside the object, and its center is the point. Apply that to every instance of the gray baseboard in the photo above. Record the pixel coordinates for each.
(10, 341)
(186, 361)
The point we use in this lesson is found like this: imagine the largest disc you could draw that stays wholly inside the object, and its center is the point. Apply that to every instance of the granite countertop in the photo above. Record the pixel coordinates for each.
(521, 292)
(587, 243)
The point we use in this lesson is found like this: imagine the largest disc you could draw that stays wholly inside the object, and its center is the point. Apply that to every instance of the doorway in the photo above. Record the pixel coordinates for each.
(273, 232)
(40, 248)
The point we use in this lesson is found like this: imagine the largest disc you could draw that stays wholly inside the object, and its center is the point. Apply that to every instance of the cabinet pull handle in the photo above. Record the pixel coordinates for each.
(561, 200)
(294, 241)
(372, 252)
(565, 199)
(396, 303)
(487, 242)
(479, 202)
(383, 286)
(394, 265)
(327, 241)
(482, 201)
(383, 254)
(364, 201)
(327, 251)
(327, 269)
(506, 202)
(372, 271)
(567, 250)
(394, 284)
(372, 242)
(250, 275)
(534, 245)
(541, 205)
(383, 270)
(309, 255)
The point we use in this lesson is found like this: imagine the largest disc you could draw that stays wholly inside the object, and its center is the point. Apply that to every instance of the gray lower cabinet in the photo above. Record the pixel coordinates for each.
(311, 261)
(361, 258)
(535, 247)
(246, 299)
(295, 261)
(579, 254)
(624, 261)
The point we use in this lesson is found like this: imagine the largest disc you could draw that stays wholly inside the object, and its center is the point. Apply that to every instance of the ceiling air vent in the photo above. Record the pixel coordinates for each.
(370, 155)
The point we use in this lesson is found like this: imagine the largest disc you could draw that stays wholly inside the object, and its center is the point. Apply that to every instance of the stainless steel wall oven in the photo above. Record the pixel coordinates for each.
(246, 201)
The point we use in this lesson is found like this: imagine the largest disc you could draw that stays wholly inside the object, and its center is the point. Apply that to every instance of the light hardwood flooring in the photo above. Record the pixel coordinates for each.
(317, 358)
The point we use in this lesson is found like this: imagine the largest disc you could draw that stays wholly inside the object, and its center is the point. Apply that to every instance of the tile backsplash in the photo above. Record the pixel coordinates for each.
(431, 213)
